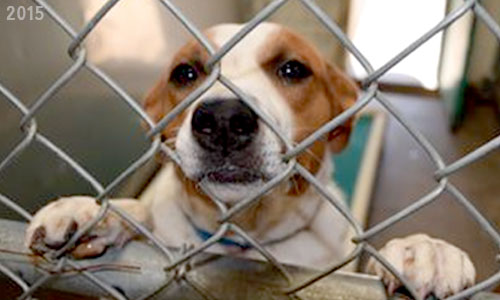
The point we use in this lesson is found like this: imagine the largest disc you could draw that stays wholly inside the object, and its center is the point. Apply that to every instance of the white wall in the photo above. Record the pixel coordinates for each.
(381, 29)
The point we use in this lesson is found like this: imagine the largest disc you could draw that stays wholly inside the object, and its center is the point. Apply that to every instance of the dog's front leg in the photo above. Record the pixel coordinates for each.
(432, 265)
(54, 224)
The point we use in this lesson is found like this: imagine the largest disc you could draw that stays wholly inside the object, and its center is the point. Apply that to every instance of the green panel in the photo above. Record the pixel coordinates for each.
(454, 64)
(348, 162)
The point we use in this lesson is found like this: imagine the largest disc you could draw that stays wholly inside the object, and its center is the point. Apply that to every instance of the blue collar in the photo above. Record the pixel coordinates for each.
(225, 241)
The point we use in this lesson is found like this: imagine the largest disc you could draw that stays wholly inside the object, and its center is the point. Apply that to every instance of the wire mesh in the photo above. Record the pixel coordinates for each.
(178, 265)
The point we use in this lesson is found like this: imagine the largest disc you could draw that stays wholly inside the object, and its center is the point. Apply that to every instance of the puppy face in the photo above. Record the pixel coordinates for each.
(220, 140)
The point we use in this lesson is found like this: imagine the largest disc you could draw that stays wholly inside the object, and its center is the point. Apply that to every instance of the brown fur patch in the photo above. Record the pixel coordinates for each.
(314, 100)
(165, 95)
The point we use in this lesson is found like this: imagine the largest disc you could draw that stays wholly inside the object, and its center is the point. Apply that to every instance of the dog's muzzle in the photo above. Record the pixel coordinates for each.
(224, 126)
(225, 129)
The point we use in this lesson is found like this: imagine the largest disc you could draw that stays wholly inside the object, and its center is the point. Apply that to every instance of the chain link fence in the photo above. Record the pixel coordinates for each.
(178, 264)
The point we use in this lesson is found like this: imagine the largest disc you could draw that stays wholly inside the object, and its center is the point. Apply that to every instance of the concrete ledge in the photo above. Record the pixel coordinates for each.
(138, 272)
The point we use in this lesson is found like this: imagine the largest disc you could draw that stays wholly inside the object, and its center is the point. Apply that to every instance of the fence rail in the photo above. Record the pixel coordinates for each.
(181, 264)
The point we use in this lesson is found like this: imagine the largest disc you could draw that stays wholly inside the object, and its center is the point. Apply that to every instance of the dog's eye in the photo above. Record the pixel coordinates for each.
(184, 74)
(293, 71)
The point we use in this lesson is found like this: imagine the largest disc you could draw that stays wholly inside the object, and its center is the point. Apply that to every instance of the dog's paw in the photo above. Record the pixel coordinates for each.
(433, 266)
(54, 224)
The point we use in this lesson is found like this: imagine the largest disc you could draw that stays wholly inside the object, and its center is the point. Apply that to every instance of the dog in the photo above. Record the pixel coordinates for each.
(226, 153)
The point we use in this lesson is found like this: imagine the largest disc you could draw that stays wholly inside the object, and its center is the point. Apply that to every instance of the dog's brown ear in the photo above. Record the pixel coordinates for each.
(343, 92)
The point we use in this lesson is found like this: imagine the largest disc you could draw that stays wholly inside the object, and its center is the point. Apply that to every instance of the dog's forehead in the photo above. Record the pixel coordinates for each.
(220, 34)
(246, 50)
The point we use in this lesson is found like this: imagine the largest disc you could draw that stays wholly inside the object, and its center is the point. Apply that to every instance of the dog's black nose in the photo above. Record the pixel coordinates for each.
(224, 125)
